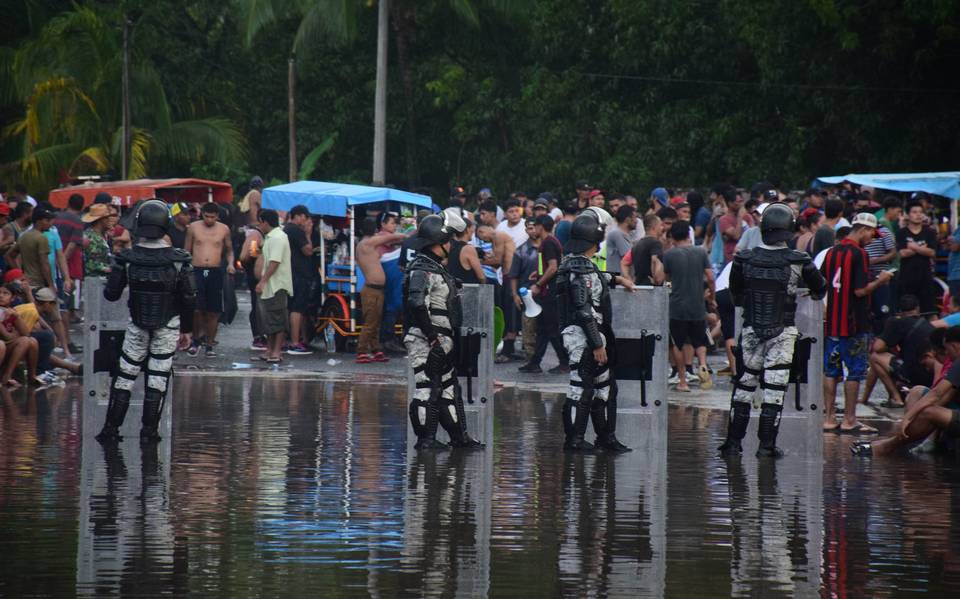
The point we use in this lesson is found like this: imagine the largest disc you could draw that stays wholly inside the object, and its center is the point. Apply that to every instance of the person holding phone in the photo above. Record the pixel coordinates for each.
(881, 252)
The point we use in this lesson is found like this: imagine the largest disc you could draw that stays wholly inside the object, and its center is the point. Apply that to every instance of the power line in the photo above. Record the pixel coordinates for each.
(797, 86)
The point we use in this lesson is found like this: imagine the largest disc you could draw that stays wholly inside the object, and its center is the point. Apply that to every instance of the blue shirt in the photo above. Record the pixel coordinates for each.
(53, 238)
(562, 232)
(952, 320)
(953, 265)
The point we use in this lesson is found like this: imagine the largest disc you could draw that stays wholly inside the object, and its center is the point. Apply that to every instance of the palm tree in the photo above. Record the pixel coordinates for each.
(337, 20)
(68, 80)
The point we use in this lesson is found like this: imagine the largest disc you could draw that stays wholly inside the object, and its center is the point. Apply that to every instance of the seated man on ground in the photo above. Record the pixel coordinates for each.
(928, 410)
(901, 354)
(20, 346)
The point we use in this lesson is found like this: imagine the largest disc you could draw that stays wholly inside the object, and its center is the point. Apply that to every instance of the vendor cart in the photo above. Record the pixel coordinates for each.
(337, 318)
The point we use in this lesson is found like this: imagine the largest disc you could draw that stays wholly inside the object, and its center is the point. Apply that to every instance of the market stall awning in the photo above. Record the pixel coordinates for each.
(333, 199)
(128, 193)
(946, 184)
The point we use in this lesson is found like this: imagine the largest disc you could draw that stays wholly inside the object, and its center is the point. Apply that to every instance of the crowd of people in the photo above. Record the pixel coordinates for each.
(878, 252)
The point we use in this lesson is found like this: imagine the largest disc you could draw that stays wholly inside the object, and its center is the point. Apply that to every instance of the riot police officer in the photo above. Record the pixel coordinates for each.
(432, 318)
(583, 300)
(162, 300)
(764, 281)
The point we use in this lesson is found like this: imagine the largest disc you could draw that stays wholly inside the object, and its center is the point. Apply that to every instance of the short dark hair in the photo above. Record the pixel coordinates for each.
(667, 212)
(298, 210)
(102, 198)
(571, 207)
(511, 203)
(680, 230)
(75, 202)
(41, 214)
(892, 202)
(618, 196)
(267, 215)
(368, 226)
(833, 208)
(913, 204)
(729, 194)
(952, 335)
(488, 206)
(649, 220)
(813, 192)
(545, 221)
(624, 213)
(842, 233)
(22, 209)
(908, 302)
(210, 208)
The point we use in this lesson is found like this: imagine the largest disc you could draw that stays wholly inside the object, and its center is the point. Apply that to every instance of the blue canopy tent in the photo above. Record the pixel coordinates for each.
(946, 184)
(337, 200)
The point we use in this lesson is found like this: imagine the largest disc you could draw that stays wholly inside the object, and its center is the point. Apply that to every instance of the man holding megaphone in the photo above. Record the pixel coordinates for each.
(540, 302)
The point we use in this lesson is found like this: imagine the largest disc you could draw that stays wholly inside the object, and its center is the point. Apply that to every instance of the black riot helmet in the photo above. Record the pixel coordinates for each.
(433, 230)
(585, 232)
(153, 218)
(777, 224)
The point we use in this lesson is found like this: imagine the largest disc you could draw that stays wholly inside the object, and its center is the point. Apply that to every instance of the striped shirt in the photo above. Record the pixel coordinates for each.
(845, 268)
(882, 244)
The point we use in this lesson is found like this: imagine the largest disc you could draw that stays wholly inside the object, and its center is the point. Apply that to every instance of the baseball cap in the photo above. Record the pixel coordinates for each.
(179, 207)
(45, 294)
(547, 196)
(771, 195)
(41, 214)
(808, 212)
(541, 203)
(14, 274)
(595, 193)
(866, 219)
(4, 208)
(457, 192)
(660, 194)
(583, 185)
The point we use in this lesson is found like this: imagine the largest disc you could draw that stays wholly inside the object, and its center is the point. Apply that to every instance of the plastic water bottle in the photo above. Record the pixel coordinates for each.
(329, 337)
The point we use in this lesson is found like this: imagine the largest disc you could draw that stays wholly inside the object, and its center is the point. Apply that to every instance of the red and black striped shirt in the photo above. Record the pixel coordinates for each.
(846, 269)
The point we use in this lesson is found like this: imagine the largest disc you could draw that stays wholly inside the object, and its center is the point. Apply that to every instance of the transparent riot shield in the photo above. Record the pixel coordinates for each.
(641, 323)
(474, 365)
(802, 418)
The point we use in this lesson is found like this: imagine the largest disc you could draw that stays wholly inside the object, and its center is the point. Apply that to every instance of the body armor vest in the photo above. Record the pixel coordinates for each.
(571, 279)
(440, 303)
(153, 274)
(769, 290)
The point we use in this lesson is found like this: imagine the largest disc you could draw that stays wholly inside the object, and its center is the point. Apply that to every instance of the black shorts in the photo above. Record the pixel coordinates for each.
(210, 288)
(693, 332)
(910, 374)
(302, 295)
(728, 314)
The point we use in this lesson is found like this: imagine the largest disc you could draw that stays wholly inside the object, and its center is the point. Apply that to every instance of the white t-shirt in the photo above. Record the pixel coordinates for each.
(841, 223)
(723, 280)
(518, 233)
(556, 214)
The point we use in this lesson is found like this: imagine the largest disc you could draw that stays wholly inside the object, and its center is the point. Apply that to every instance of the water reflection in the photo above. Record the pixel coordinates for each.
(273, 487)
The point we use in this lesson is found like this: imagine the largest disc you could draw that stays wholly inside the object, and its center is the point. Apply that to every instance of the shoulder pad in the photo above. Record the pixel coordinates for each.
(742, 255)
(578, 264)
(798, 257)
(178, 255)
(421, 262)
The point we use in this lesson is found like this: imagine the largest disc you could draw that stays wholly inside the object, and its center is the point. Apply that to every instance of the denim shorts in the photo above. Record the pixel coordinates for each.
(851, 352)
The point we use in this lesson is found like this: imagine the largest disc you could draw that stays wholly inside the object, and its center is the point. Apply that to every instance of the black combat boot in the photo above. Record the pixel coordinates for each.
(736, 429)
(575, 426)
(459, 438)
(607, 437)
(150, 420)
(427, 431)
(767, 432)
(116, 412)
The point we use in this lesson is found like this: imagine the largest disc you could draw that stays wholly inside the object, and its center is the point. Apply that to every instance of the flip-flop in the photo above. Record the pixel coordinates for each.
(860, 429)
(687, 390)
(833, 429)
(272, 360)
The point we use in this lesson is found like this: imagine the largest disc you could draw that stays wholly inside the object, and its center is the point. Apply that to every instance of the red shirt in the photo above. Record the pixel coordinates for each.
(845, 268)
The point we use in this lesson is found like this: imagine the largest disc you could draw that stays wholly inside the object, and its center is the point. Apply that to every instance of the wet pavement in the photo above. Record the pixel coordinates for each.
(296, 485)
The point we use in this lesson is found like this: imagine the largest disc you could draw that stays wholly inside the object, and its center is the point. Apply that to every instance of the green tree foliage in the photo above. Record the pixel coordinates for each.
(627, 93)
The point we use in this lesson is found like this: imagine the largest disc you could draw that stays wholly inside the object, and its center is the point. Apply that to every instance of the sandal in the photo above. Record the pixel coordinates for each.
(379, 357)
(831, 429)
(13, 384)
(272, 360)
(364, 358)
(859, 429)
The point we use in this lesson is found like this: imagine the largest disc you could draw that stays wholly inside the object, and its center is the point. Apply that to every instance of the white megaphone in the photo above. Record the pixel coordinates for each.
(531, 308)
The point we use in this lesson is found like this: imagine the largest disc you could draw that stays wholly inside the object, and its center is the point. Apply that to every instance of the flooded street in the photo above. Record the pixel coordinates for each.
(278, 486)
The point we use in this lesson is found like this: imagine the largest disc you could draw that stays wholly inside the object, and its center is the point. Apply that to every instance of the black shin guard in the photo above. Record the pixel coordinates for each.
(736, 428)
(767, 432)
(150, 421)
(116, 412)
(456, 429)
(608, 439)
(426, 430)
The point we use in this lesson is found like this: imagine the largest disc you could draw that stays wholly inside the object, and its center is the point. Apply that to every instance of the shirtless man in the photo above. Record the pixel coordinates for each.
(501, 256)
(372, 295)
(252, 200)
(207, 240)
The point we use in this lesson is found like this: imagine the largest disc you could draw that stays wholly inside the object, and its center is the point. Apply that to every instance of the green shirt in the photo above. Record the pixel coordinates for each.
(33, 255)
(96, 254)
(276, 248)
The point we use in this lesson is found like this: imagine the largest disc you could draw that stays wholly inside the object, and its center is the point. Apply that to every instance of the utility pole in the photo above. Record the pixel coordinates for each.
(292, 115)
(125, 91)
(380, 99)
